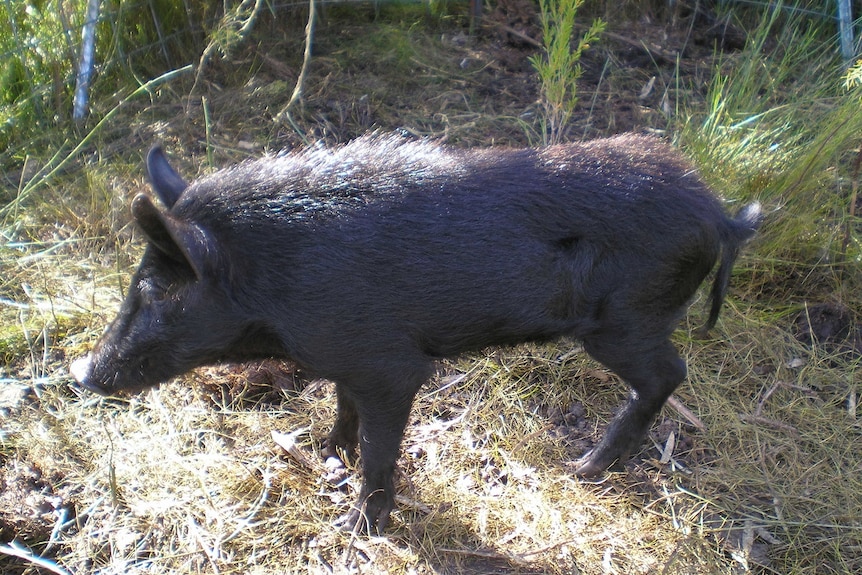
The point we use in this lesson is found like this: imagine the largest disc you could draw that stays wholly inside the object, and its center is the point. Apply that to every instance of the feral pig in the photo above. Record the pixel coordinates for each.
(365, 263)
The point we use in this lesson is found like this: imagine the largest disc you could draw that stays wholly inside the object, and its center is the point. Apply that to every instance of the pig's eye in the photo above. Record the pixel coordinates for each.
(158, 296)
(153, 293)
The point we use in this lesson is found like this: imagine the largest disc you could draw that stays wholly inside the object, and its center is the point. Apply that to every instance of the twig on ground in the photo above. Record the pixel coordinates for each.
(685, 412)
(14, 549)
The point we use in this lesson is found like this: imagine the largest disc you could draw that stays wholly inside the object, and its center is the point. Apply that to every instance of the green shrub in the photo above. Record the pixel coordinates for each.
(559, 67)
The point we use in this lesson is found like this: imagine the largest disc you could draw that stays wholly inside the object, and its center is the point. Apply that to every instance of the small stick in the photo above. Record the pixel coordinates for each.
(306, 62)
(685, 412)
(851, 212)
(17, 550)
(760, 420)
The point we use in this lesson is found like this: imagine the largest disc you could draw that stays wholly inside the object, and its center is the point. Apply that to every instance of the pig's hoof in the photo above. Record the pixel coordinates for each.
(336, 472)
(369, 515)
(354, 522)
(344, 454)
(587, 468)
(359, 523)
(593, 464)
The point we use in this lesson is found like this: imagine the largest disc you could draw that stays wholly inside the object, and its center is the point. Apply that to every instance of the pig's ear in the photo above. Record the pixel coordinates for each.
(166, 182)
(182, 241)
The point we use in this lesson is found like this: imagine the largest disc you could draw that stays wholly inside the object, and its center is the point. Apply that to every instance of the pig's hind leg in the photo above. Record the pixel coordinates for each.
(653, 374)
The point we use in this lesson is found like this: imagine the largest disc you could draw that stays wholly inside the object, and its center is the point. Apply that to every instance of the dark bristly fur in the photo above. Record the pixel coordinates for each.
(365, 263)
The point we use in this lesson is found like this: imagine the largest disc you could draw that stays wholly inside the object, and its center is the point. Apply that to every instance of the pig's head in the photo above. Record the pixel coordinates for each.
(178, 312)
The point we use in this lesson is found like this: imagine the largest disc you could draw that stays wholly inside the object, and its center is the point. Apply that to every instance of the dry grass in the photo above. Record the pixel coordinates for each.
(188, 478)
(759, 470)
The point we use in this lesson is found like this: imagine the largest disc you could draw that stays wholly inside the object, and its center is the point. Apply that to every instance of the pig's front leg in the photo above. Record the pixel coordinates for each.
(344, 437)
(383, 409)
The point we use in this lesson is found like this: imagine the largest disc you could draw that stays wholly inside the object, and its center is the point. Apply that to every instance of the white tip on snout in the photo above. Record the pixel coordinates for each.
(80, 368)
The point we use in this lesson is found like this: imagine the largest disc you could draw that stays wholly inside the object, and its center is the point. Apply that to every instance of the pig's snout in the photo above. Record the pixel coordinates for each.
(82, 369)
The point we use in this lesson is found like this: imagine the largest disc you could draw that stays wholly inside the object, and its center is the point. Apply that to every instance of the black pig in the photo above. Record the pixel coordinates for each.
(365, 263)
